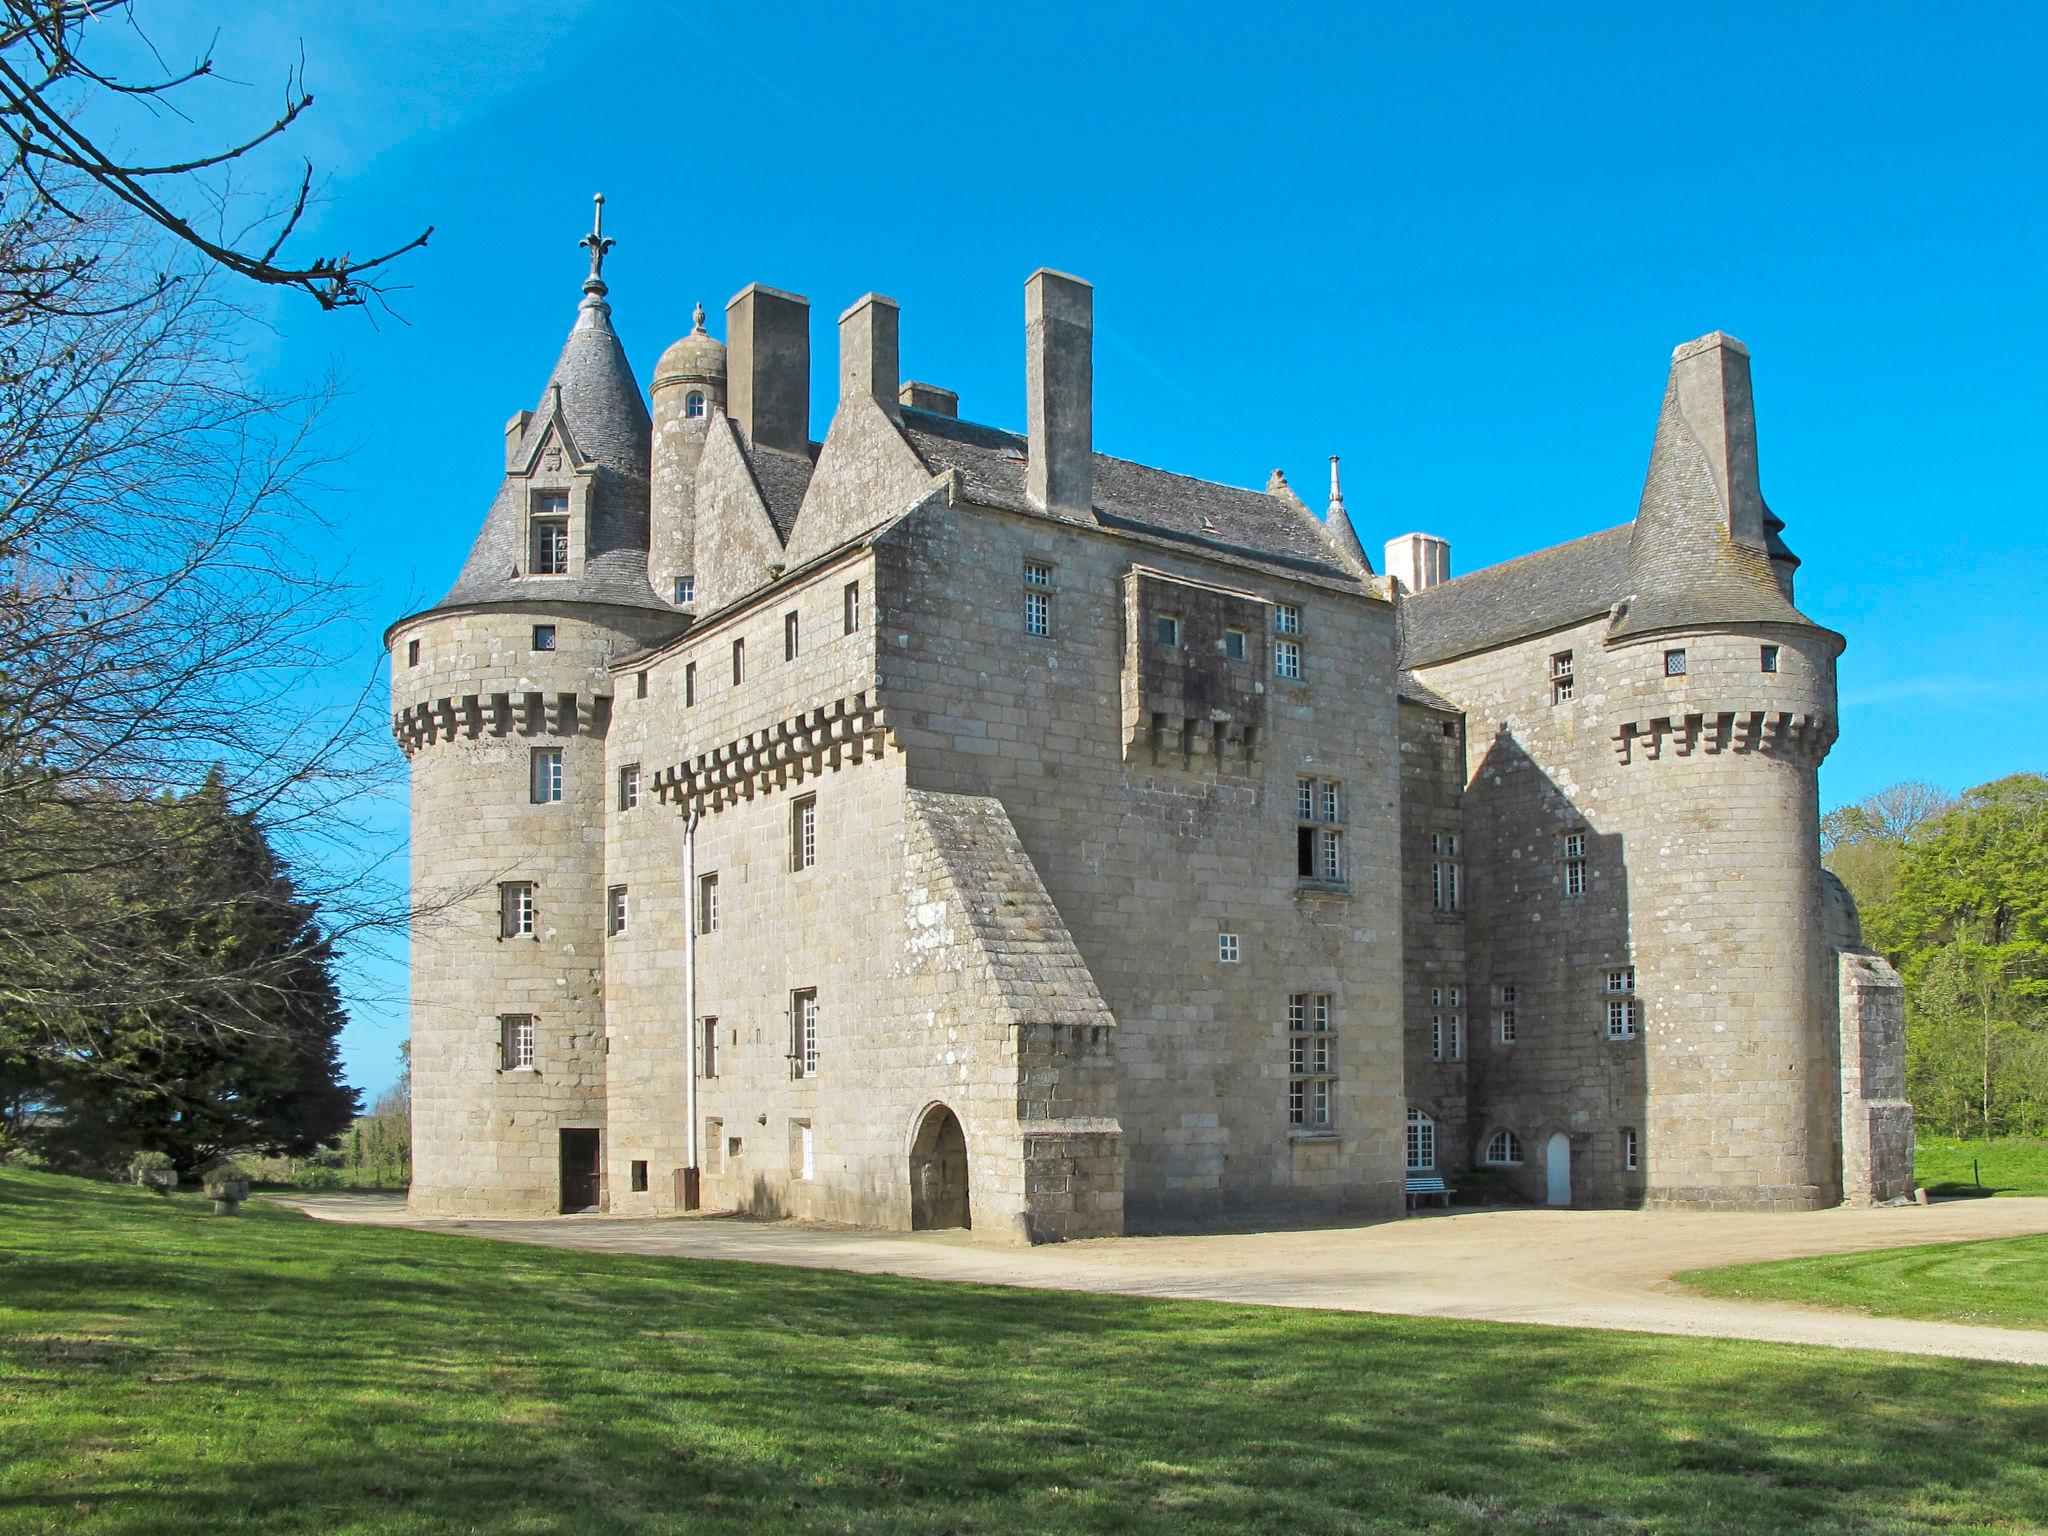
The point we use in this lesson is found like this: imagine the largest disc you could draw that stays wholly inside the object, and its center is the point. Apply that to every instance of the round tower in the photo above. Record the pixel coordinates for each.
(689, 389)
(501, 698)
(1719, 702)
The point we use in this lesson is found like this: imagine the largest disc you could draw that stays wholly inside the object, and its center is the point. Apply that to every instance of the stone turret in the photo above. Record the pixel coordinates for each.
(689, 389)
(501, 698)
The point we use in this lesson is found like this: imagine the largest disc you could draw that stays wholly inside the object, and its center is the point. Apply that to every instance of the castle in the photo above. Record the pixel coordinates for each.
(940, 826)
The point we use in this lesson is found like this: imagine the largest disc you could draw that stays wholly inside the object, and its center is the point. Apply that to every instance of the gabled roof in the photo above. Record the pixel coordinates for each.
(1201, 513)
(1550, 589)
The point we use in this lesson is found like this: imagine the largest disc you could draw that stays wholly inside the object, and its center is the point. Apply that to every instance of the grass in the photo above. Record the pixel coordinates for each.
(2009, 1165)
(1997, 1281)
(165, 1371)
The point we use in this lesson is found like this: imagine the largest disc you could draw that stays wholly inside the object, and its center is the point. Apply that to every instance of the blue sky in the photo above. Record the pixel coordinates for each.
(1452, 243)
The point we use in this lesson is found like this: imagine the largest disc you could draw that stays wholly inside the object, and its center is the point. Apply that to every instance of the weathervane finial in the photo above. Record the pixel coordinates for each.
(1336, 487)
(597, 244)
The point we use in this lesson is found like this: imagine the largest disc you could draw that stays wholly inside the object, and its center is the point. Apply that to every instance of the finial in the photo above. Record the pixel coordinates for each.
(697, 319)
(596, 243)
(1336, 490)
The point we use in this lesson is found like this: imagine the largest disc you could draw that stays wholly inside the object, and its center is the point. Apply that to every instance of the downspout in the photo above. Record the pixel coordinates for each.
(689, 1196)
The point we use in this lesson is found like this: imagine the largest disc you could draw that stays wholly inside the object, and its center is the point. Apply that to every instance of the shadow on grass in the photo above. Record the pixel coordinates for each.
(178, 1372)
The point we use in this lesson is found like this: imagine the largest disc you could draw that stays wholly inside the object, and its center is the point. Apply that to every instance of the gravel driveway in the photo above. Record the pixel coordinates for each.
(1579, 1269)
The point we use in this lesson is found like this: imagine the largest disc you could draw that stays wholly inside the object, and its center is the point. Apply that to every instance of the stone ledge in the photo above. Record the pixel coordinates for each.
(846, 731)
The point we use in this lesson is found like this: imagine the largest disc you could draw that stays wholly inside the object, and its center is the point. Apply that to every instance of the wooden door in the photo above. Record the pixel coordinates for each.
(579, 1170)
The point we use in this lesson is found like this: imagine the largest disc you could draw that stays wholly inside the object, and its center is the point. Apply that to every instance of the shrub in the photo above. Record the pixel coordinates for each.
(227, 1181)
(317, 1177)
(152, 1169)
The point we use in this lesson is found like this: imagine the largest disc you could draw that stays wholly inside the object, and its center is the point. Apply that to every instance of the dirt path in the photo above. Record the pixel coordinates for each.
(1580, 1269)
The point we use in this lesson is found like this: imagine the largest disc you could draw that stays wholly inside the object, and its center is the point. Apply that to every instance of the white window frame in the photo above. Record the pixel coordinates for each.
(849, 603)
(695, 407)
(707, 902)
(1631, 1150)
(686, 591)
(1287, 660)
(617, 910)
(1038, 615)
(1228, 949)
(803, 833)
(1286, 619)
(1674, 663)
(1504, 1020)
(547, 545)
(1561, 683)
(1624, 1009)
(1768, 658)
(1573, 855)
(1421, 1151)
(1311, 1062)
(792, 636)
(803, 1032)
(629, 785)
(516, 909)
(515, 1042)
(1503, 1149)
(546, 771)
(1447, 872)
(1166, 628)
(1237, 645)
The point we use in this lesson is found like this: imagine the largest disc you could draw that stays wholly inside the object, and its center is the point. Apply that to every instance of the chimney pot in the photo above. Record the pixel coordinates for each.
(931, 399)
(1419, 561)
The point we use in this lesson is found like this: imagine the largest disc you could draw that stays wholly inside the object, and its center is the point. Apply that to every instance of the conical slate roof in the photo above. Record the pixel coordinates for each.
(1699, 551)
(593, 409)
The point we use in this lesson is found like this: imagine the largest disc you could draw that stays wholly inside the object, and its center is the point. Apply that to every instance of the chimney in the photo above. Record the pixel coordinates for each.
(515, 434)
(867, 352)
(1059, 379)
(768, 367)
(1419, 561)
(931, 399)
(1710, 387)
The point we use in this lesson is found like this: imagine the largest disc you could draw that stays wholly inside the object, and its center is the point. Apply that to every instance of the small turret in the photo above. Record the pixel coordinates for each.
(1337, 524)
(689, 390)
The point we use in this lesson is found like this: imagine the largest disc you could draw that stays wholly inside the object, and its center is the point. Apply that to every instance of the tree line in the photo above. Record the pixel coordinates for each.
(1953, 890)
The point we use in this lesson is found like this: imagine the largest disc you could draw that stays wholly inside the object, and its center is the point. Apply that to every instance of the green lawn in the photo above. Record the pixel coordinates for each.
(2000, 1281)
(166, 1371)
(2010, 1165)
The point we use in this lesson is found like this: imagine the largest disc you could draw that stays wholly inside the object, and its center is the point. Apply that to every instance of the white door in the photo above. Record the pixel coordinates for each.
(810, 1165)
(1557, 1169)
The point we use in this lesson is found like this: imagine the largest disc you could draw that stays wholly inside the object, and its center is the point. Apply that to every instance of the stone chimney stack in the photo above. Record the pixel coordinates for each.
(930, 398)
(768, 366)
(867, 352)
(515, 434)
(1710, 388)
(1059, 372)
(1419, 561)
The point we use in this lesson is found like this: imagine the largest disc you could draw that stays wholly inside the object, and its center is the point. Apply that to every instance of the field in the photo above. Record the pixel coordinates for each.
(2002, 1283)
(2011, 1165)
(163, 1370)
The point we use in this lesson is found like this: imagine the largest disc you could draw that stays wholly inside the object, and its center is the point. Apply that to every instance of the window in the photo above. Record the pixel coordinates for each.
(850, 601)
(1311, 1060)
(639, 1176)
(686, 591)
(412, 655)
(1421, 1142)
(707, 1053)
(1287, 660)
(1561, 677)
(707, 903)
(1235, 645)
(790, 642)
(1037, 599)
(551, 534)
(1504, 1150)
(639, 685)
(1227, 950)
(803, 1150)
(1446, 1024)
(1036, 575)
(615, 910)
(1624, 1015)
(739, 662)
(1447, 872)
(1573, 851)
(1504, 1013)
(693, 405)
(515, 909)
(515, 1040)
(629, 787)
(1674, 663)
(1168, 629)
(543, 637)
(1631, 1150)
(803, 1033)
(1770, 658)
(1329, 800)
(803, 832)
(1286, 619)
(547, 775)
(689, 683)
(1319, 845)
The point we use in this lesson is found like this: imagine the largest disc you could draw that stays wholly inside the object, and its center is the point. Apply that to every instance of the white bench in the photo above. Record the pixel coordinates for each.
(1429, 1186)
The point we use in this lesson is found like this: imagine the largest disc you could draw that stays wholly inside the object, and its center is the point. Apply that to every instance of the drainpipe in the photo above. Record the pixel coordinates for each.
(689, 1196)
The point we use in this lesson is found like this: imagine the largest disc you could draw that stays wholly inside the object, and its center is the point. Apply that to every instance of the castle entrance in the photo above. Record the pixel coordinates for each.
(938, 1172)
(1557, 1170)
(579, 1170)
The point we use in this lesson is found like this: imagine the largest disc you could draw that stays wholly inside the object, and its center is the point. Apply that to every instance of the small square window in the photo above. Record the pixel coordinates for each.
(707, 903)
(850, 602)
(1286, 619)
(686, 591)
(1770, 658)
(639, 1176)
(1227, 948)
(543, 637)
(615, 910)
(1167, 629)
(629, 787)
(1236, 645)
(412, 654)
(1036, 575)
(1674, 663)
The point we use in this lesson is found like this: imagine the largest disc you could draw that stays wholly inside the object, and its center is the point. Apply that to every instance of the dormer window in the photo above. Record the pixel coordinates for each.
(551, 534)
(693, 405)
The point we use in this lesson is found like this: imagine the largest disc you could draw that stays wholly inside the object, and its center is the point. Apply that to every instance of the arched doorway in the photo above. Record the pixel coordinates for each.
(938, 1172)
(1557, 1169)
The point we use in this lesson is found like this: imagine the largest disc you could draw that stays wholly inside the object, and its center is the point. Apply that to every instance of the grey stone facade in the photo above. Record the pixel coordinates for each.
(937, 825)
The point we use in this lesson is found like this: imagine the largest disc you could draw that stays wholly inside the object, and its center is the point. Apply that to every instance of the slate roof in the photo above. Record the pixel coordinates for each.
(593, 393)
(781, 477)
(1212, 517)
(1548, 590)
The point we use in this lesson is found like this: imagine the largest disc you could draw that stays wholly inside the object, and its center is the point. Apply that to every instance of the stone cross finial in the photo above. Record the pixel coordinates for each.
(596, 243)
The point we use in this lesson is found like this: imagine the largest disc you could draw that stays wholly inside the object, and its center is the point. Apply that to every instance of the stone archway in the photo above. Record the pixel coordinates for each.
(938, 1172)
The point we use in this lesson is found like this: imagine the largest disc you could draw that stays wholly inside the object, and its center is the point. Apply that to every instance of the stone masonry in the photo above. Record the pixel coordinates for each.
(937, 825)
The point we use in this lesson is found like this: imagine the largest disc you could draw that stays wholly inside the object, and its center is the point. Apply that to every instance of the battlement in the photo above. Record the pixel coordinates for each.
(846, 731)
(1799, 738)
(474, 715)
